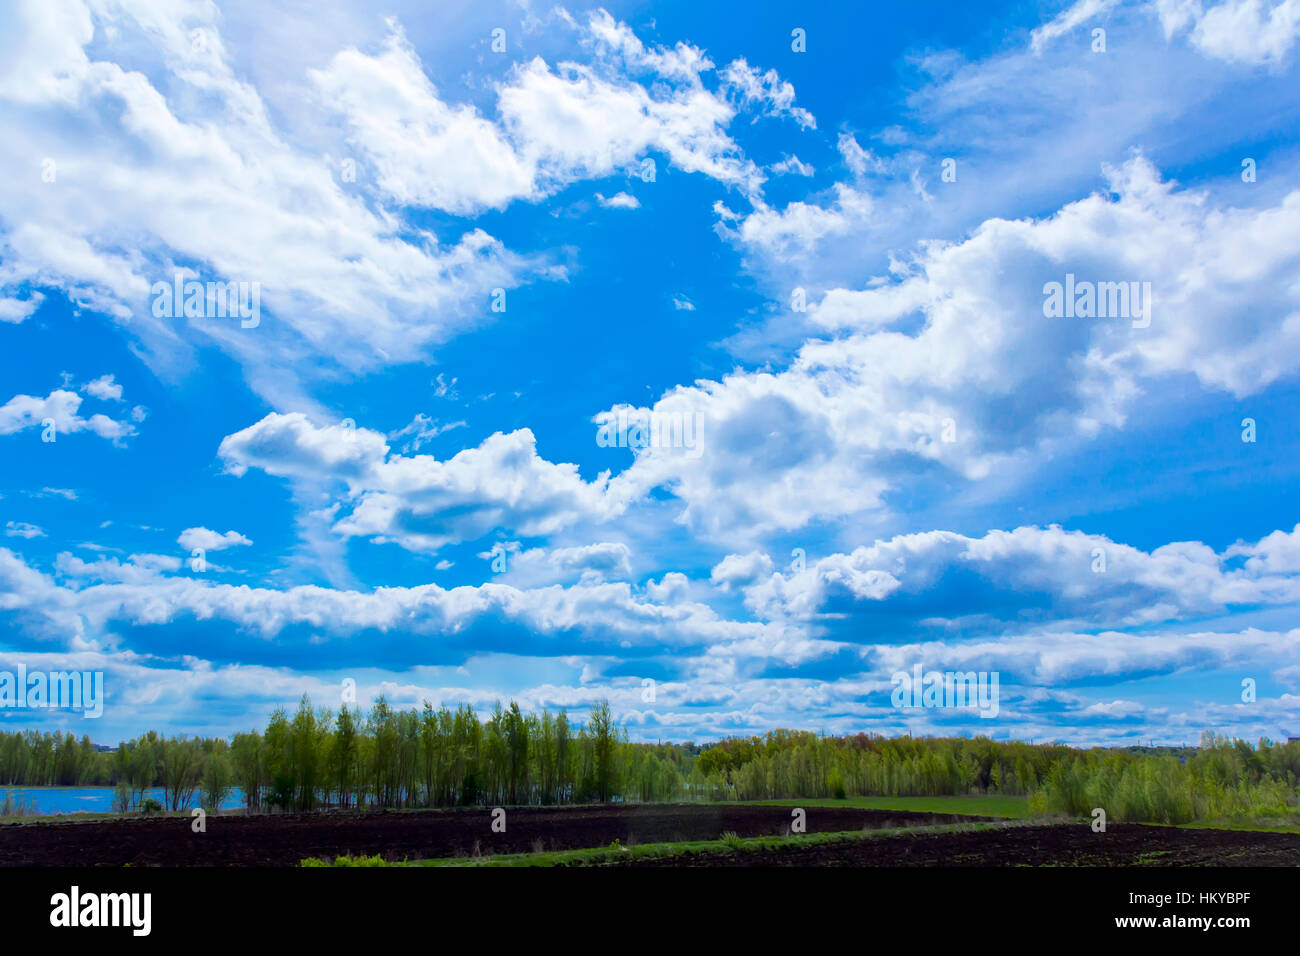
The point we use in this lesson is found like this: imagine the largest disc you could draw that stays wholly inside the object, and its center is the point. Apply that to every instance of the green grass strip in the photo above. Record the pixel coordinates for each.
(1009, 807)
(682, 852)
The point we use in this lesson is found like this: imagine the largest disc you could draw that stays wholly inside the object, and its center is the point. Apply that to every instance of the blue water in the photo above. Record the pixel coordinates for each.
(88, 799)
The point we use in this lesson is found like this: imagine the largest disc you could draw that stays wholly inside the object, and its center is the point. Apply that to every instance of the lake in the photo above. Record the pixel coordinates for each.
(48, 800)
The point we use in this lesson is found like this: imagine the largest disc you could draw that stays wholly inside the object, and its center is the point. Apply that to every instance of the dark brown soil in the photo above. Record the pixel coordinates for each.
(286, 839)
(1062, 844)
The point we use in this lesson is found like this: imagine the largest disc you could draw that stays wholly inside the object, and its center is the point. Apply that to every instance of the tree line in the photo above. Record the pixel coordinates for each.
(390, 758)
(439, 757)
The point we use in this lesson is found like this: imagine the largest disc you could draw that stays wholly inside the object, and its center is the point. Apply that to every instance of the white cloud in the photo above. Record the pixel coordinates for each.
(68, 493)
(135, 569)
(346, 283)
(1017, 579)
(420, 502)
(1276, 553)
(741, 569)
(425, 152)
(683, 63)
(588, 563)
(291, 446)
(556, 126)
(861, 162)
(16, 311)
(21, 529)
(60, 406)
(1068, 20)
(795, 231)
(791, 164)
(1053, 659)
(142, 591)
(579, 125)
(423, 430)
(41, 52)
(716, 658)
(192, 538)
(766, 91)
(619, 201)
(104, 388)
(1017, 152)
(926, 369)
(1254, 32)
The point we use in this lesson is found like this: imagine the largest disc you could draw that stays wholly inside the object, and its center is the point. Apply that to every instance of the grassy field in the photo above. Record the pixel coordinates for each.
(85, 816)
(1013, 808)
(1249, 827)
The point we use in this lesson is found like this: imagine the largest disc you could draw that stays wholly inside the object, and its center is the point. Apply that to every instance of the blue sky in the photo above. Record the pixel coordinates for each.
(469, 260)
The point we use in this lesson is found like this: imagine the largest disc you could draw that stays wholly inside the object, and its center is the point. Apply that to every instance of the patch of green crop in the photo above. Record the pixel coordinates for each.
(1258, 826)
(376, 860)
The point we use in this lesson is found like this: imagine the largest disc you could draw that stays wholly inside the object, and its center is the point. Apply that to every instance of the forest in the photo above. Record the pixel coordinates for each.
(437, 757)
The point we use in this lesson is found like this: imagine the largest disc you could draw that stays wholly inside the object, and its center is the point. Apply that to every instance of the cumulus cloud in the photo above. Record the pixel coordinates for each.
(721, 671)
(1015, 580)
(619, 201)
(556, 124)
(144, 591)
(345, 281)
(104, 388)
(61, 407)
(920, 365)
(425, 152)
(796, 230)
(419, 502)
(925, 369)
(1275, 553)
(741, 569)
(588, 563)
(291, 446)
(192, 538)
(16, 311)
(1253, 32)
